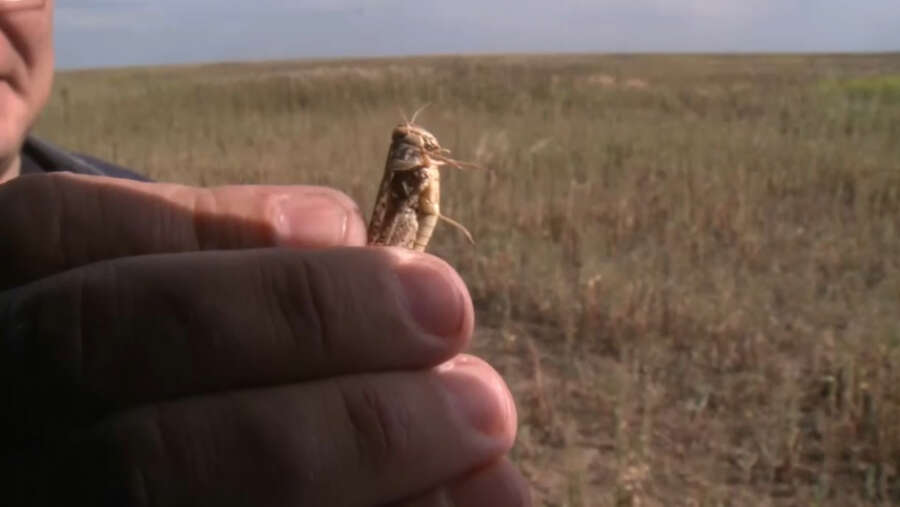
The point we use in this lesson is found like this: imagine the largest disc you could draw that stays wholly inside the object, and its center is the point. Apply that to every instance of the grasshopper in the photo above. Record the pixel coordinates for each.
(407, 207)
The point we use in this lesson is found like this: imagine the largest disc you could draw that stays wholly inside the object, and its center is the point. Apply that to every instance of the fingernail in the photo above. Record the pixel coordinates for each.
(479, 394)
(313, 220)
(432, 295)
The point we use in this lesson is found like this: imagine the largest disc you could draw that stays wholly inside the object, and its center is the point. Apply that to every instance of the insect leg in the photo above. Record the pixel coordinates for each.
(461, 227)
(429, 207)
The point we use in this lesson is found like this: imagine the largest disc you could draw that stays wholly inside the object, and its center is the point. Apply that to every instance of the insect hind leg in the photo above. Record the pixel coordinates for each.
(459, 226)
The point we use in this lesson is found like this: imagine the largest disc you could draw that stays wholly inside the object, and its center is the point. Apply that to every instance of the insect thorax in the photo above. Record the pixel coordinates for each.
(415, 135)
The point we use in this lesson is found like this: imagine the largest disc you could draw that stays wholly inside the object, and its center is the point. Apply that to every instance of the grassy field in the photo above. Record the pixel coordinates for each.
(687, 267)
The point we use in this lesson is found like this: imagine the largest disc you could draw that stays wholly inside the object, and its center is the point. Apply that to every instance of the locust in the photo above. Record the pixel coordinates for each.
(407, 207)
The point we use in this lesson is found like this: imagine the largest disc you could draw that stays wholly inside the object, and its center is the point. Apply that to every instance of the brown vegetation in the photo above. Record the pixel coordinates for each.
(691, 284)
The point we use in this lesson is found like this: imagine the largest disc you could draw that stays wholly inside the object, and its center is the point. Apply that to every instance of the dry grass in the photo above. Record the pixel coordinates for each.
(687, 267)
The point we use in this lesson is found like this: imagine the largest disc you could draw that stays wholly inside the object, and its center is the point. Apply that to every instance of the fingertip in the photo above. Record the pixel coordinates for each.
(482, 396)
(436, 296)
(499, 484)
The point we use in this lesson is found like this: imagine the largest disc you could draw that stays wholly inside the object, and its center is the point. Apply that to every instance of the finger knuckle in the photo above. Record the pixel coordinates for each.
(299, 297)
(382, 430)
(203, 203)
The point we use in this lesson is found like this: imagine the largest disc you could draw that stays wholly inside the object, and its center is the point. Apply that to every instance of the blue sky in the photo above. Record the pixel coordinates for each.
(92, 33)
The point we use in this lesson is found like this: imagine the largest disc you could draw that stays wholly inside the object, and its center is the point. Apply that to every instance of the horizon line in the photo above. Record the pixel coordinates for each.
(345, 58)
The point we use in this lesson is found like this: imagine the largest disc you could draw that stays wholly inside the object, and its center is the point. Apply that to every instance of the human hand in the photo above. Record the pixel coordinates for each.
(158, 348)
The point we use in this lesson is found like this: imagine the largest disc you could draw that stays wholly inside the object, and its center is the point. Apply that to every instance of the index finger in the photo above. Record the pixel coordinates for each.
(55, 222)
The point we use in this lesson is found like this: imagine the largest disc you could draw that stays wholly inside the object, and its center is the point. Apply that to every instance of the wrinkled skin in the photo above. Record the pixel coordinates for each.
(168, 345)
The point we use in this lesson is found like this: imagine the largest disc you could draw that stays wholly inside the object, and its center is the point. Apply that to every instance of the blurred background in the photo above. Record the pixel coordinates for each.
(687, 259)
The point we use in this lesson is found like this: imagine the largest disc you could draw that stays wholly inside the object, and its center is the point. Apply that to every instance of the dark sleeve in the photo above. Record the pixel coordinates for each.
(39, 156)
(113, 170)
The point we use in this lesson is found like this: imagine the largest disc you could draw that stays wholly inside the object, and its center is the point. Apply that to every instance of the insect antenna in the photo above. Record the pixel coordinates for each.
(403, 115)
(413, 120)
